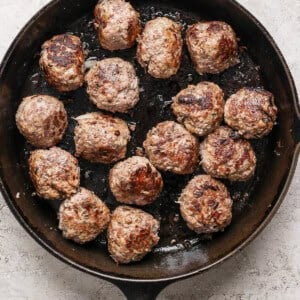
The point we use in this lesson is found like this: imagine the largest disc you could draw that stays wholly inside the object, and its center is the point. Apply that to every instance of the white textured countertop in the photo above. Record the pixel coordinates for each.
(267, 269)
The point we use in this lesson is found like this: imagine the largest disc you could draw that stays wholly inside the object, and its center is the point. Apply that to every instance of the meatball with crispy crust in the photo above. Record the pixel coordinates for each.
(135, 181)
(55, 173)
(101, 138)
(205, 205)
(200, 107)
(160, 47)
(118, 24)
(226, 155)
(83, 217)
(112, 85)
(170, 147)
(42, 120)
(132, 233)
(213, 46)
(252, 112)
(62, 60)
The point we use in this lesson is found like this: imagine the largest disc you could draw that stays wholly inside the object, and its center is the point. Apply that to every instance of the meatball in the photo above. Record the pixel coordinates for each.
(251, 112)
(112, 85)
(200, 107)
(135, 181)
(55, 173)
(213, 46)
(42, 120)
(62, 60)
(83, 217)
(205, 205)
(171, 147)
(160, 47)
(132, 233)
(118, 24)
(101, 138)
(225, 155)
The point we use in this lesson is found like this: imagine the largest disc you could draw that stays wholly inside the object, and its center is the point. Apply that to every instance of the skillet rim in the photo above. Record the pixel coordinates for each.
(251, 237)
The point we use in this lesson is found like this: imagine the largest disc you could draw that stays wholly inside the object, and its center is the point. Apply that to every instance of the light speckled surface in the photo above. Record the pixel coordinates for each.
(267, 269)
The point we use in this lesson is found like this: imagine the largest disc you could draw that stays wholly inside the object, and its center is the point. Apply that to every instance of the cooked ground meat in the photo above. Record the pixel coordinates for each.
(62, 60)
(101, 138)
(118, 24)
(132, 233)
(213, 46)
(205, 205)
(200, 107)
(225, 155)
(135, 181)
(55, 173)
(42, 120)
(112, 85)
(252, 112)
(83, 217)
(170, 147)
(160, 47)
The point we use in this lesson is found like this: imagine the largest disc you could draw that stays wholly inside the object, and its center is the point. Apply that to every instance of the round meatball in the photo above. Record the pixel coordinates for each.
(55, 173)
(118, 24)
(42, 120)
(112, 85)
(225, 155)
(213, 46)
(62, 60)
(132, 233)
(251, 112)
(200, 107)
(135, 181)
(205, 205)
(160, 47)
(171, 147)
(83, 217)
(101, 138)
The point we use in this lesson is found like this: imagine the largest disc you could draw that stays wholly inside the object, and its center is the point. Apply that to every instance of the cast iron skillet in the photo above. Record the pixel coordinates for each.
(181, 253)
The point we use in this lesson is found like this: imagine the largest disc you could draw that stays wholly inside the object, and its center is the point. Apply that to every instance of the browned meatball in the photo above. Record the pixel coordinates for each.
(101, 138)
(251, 112)
(205, 205)
(225, 155)
(200, 107)
(54, 173)
(135, 181)
(118, 24)
(42, 120)
(213, 46)
(112, 85)
(132, 233)
(160, 47)
(83, 217)
(62, 60)
(170, 147)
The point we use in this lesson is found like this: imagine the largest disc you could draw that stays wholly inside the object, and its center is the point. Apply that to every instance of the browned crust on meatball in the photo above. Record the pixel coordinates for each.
(170, 147)
(205, 205)
(62, 61)
(159, 48)
(200, 107)
(118, 24)
(42, 120)
(101, 138)
(225, 155)
(132, 233)
(112, 85)
(252, 112)
(213, 46)
(83, 217)
(55, 173)
(135, 181)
